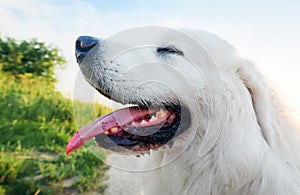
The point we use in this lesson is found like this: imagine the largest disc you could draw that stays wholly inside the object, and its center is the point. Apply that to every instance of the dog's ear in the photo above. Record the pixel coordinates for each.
(261, 98)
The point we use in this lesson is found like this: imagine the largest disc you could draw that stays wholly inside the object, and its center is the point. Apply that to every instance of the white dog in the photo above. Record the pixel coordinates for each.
(203, 114)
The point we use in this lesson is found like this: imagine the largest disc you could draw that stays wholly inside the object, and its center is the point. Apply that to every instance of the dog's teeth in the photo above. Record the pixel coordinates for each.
(161, 113)
(143, 122)
(106, 132)
(153, 118)
(133, 124)
(114, 130)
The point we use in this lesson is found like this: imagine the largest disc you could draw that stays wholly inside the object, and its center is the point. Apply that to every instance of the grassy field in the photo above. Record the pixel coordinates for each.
(36, 123)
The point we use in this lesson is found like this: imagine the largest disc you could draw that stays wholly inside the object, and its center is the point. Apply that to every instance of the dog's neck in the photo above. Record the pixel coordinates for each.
(234, 153)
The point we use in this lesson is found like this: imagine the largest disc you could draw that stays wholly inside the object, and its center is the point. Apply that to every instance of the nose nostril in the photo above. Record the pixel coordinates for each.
(78, 44)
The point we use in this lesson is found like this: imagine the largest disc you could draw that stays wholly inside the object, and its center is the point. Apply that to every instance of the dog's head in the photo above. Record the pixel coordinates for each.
(175, 82)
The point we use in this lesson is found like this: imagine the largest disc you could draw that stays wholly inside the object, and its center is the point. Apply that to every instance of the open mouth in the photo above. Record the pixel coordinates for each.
(136, 129)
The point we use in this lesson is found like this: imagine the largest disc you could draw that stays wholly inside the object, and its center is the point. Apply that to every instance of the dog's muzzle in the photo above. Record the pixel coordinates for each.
(83, 45)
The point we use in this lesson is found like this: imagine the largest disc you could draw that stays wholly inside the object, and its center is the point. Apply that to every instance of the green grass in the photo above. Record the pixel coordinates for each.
(36, 123)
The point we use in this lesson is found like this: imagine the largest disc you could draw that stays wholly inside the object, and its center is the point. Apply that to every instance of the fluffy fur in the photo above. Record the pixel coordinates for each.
(239, 142)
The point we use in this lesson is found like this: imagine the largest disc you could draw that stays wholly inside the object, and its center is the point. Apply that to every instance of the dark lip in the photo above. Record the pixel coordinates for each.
(140, 144)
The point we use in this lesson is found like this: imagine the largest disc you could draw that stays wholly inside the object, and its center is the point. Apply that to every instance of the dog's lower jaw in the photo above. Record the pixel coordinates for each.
(216, 167)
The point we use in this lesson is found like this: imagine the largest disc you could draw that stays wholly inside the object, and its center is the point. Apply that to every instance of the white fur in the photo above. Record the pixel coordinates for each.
(239, 142)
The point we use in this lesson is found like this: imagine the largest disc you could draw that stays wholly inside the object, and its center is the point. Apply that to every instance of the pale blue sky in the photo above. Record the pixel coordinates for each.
(264, 31)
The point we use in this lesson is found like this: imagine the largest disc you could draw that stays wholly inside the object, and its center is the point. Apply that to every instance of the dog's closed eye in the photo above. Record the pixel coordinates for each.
(169, 50)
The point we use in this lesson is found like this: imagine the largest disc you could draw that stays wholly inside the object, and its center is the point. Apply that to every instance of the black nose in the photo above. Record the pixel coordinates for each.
(83, 45)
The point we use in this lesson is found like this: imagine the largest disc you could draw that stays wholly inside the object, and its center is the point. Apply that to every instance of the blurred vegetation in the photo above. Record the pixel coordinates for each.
(36, 122)
(32, 57)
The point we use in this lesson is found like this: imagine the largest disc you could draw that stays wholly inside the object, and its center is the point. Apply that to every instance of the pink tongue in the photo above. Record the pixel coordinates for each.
(104, 123)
